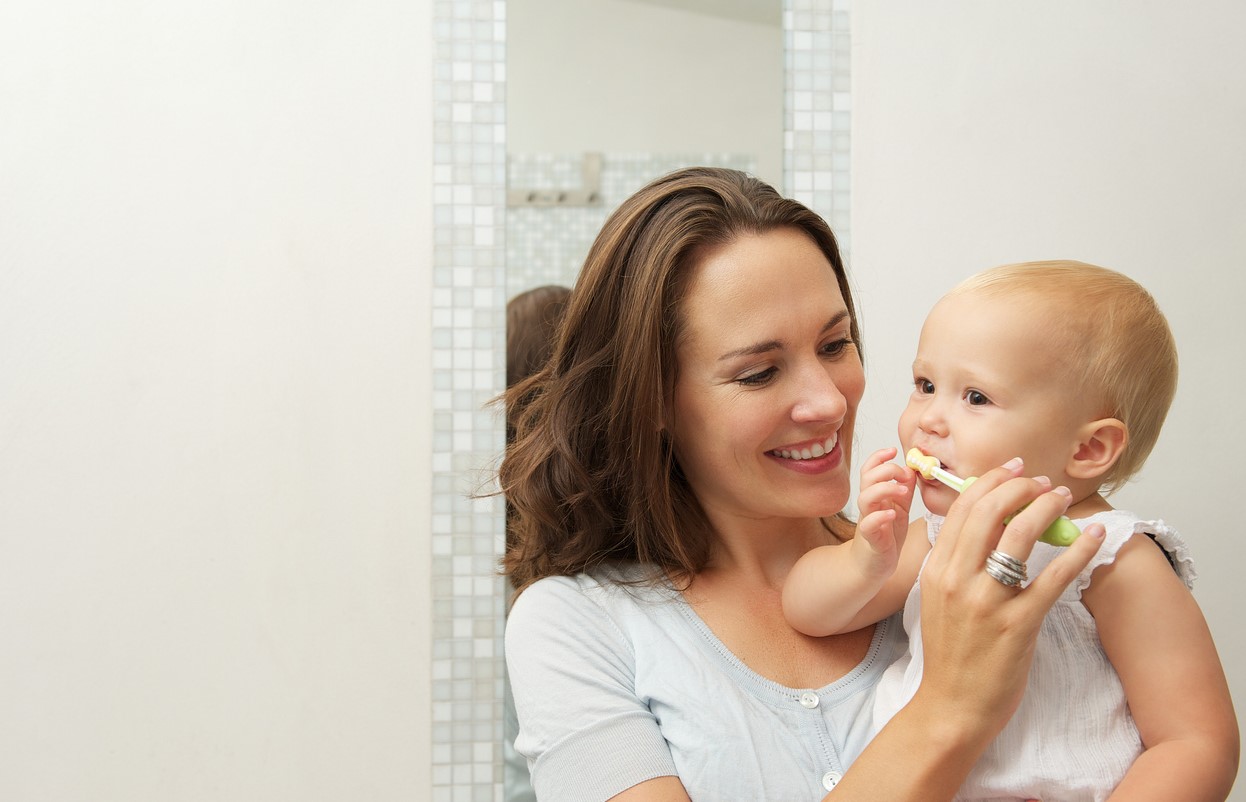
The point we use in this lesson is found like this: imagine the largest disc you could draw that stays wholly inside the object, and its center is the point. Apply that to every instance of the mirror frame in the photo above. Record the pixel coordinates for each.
(468, 354)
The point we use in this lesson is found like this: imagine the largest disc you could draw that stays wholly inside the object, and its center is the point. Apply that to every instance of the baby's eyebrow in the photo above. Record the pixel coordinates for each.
(776, 345)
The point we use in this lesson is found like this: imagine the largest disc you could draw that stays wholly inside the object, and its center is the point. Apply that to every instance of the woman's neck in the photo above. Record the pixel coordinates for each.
(763, 552)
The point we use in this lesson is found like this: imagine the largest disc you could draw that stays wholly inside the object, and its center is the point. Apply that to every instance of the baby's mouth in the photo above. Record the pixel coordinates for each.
(811, 452)
(938, 463)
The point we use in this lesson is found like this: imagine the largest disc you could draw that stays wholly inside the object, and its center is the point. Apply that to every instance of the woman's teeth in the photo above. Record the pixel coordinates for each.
(814, 451)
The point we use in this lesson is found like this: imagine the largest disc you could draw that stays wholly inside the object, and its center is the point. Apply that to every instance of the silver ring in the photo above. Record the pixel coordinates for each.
(999, 575)
(1005, 569)
(1008, 561)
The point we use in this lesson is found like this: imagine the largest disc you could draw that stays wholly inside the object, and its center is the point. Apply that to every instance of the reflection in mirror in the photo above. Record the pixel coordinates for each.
(602, 97)
(469, 293)
(647, 87)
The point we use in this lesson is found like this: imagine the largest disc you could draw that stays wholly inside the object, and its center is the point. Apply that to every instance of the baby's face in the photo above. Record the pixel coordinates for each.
(992, 381)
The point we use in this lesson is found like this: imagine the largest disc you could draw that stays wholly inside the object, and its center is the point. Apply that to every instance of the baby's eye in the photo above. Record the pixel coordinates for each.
(924, 386)
(976, 398)
(757, 379)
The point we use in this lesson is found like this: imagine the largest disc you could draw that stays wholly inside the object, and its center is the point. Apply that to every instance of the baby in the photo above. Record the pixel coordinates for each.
(1072, 367)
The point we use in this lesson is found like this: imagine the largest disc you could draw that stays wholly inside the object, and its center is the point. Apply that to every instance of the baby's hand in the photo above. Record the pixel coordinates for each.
(884, 501)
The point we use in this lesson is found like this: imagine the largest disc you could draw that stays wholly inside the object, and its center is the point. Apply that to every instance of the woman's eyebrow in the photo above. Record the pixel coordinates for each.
(774, 345)
(753, 350)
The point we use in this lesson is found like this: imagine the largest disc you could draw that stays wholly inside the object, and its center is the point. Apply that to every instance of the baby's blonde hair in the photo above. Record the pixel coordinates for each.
(1120, 348)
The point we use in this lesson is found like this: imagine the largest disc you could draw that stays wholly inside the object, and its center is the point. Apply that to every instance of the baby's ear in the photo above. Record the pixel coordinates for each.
(1100, 444)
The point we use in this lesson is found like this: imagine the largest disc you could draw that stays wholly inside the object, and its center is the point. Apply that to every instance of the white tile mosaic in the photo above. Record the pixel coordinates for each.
(547, 244)
(474, 241)
(818, 109)
(469, 175)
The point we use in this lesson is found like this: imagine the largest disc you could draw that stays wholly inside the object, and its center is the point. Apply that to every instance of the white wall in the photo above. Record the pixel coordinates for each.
(631, 77)
(1110, 132)
(214, 453)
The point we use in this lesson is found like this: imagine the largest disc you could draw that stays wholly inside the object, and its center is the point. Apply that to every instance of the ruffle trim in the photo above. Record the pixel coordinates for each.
(1121, 526)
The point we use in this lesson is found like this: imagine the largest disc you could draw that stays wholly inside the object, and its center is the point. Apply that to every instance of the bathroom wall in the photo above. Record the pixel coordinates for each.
(1109, 132)
(215, 340)
(215, 232)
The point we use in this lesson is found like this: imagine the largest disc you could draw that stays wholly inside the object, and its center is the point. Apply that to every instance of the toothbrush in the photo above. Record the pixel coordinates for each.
(1062, 531)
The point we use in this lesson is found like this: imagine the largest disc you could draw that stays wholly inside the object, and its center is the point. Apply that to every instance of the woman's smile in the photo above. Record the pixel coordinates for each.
(816, 457)
(817, 449)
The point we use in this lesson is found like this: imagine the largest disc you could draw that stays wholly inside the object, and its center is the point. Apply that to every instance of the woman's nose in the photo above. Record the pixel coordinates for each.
(819, 398)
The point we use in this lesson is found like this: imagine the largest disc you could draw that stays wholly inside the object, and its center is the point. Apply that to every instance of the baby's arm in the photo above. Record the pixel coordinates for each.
(843, 587)
(1158, 641)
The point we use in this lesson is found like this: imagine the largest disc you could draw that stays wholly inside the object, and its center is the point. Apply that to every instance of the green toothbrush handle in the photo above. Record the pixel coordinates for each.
(1062, 531)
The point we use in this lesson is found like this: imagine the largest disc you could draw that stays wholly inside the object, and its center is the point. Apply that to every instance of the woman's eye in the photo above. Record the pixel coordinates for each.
(924, 386)
(757, 379)
(836, 347)
(976, 398)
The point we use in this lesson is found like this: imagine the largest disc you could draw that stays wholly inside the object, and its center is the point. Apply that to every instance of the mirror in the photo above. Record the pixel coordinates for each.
(605, 95)
(479, 262)
(602, 97)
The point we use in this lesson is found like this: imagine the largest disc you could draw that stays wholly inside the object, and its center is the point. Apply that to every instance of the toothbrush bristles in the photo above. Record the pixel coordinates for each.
(924, 464)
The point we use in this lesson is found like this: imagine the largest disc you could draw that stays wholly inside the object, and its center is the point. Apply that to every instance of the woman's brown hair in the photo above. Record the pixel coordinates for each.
(532, 319)
(591, 477)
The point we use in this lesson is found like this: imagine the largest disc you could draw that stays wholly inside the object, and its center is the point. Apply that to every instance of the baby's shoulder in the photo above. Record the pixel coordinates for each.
(1123, 528)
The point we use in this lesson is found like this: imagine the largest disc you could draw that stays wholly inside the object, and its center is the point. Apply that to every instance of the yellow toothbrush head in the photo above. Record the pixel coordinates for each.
(923, 464)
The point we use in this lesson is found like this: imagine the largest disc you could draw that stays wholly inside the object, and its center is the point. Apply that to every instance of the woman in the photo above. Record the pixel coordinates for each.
(686, 444)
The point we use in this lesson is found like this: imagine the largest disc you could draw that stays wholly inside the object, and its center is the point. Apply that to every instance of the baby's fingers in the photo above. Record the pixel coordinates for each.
(875, 545)
(875, 530)
(879, 457)
(884, 472)
(884, 496)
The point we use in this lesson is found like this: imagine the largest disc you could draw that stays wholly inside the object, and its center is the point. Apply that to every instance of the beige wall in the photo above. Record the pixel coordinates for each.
(214, 239)
(215, 234)
(1110, 132)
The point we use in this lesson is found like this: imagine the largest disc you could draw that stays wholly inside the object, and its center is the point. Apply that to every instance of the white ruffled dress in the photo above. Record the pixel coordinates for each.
(1073, 738)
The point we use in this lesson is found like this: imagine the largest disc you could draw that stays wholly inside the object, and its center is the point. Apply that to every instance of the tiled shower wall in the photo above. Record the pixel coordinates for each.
(469, 291)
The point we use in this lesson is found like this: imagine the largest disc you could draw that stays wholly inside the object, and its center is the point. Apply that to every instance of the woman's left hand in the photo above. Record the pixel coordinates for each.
(978, 633)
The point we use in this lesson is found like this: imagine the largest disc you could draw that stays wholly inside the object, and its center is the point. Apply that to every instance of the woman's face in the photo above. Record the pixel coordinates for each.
(769, 381)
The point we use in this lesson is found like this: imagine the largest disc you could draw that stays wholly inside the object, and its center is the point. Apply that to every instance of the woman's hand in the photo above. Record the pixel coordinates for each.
(979, 634)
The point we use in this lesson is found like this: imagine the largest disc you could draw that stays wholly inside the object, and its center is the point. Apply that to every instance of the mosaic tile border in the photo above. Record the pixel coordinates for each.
(468, 299)
(817, 52)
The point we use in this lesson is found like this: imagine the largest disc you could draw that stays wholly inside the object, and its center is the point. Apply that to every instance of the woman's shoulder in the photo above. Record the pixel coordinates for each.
(602, 585)
(598, 621)
(612, 593)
